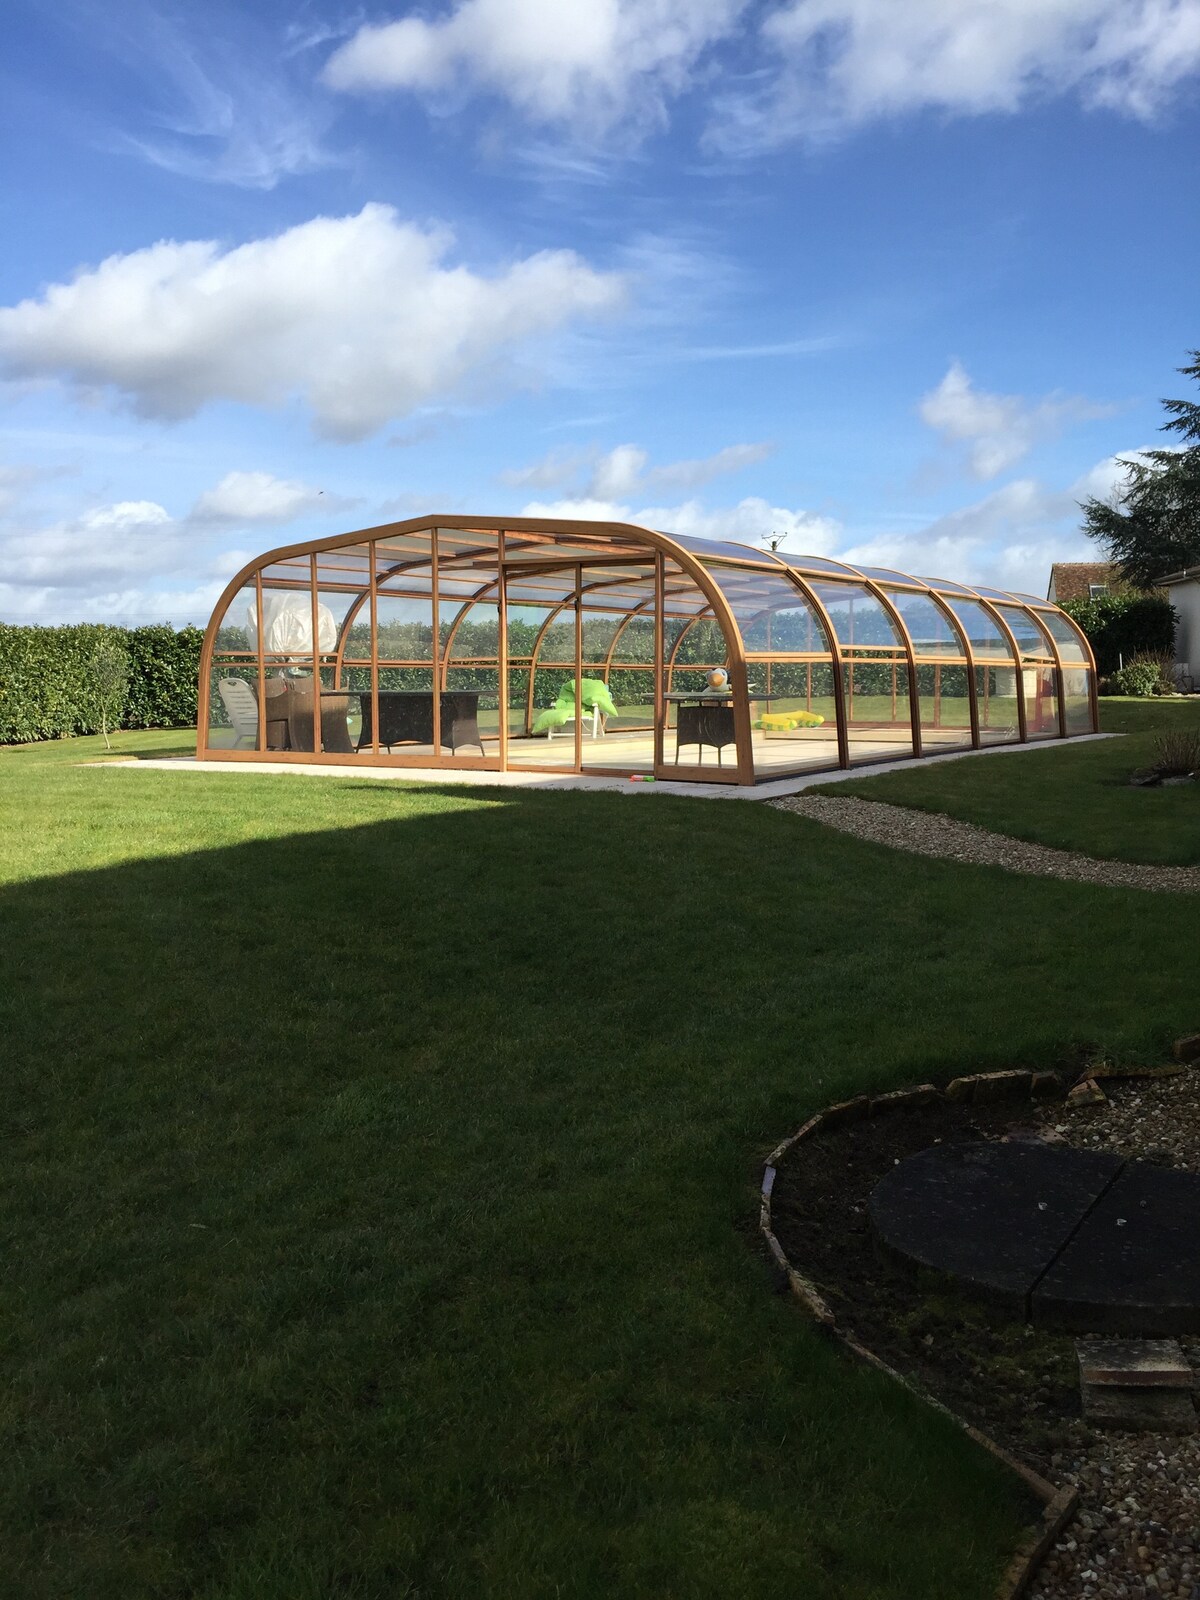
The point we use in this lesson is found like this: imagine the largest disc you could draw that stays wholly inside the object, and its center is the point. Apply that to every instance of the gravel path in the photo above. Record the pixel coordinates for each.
(1137, 1534)
(928, 833)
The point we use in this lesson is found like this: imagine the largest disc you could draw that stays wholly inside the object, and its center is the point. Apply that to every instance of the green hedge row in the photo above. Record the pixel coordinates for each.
(46, 689)
(1121, 626)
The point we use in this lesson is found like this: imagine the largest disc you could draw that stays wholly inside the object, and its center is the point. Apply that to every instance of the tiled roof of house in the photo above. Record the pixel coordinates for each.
(1072, 580)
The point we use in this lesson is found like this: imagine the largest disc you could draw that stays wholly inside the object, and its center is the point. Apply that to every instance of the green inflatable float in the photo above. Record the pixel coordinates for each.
(594, 696)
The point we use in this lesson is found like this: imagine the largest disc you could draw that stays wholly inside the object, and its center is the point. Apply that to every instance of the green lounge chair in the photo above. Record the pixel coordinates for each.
(595, 700)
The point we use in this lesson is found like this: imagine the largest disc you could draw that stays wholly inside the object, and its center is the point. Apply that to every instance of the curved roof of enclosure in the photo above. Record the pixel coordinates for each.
(853, 607)
(527, 538)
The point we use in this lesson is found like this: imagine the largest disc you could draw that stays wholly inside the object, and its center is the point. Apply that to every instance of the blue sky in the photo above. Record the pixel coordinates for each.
(898, 281)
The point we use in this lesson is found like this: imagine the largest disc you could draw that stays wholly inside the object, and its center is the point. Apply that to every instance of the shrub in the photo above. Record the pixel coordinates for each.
(1164, 663)
(1139, 678)
(163, 663)
(1177, 754)
(48, 686)
(1121, 626)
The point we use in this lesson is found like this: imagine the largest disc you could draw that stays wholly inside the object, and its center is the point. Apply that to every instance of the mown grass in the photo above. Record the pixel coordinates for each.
(1071, 796)
(377, 1192)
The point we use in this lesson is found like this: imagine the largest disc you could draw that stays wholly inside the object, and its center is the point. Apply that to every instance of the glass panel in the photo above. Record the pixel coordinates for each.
(985, 635)
(405, 713)
(817, 564)
(714, 549)
(1070, 646)
(794, 723)
(233, 706)
(878, 714)
(944, 704)
(996, 696)
(692, 647)
(858, 619)
(238, 628)
(930, 630)
(993, 594)
(887, 575)
(698, 724)
(287, 639)
(1031, 639)
(618, 702)
(635, 640)
(1041, 702)
(346, 566)
(470, 699)
(405, 630)
(541, 697)
(944, 586)
(771, 613)
(1077, 699)
(553, 709)
(340, 711)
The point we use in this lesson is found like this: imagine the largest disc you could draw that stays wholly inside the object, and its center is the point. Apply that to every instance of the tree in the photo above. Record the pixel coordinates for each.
(1152, 524)
(110, 683)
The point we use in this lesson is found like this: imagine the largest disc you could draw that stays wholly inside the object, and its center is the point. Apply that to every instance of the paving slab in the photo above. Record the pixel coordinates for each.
(992, 1214)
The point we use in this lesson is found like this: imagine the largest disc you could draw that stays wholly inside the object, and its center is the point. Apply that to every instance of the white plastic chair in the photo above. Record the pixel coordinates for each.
(594, 716)
(240, 703)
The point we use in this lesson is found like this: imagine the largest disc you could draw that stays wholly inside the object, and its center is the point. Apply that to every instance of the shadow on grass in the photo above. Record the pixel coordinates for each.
(372, 1197)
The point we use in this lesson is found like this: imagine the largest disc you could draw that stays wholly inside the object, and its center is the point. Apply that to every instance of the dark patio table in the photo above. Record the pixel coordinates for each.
(406, 717)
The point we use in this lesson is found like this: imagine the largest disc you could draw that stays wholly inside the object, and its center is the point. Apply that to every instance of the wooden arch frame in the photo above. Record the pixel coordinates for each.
(572, 546)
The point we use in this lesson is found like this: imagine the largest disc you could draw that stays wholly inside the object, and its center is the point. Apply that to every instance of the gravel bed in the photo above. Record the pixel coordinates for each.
(928, 833)
(1137, 1534)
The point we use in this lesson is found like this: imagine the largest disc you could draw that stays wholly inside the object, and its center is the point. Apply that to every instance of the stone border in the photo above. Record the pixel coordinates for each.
(1058, 1504)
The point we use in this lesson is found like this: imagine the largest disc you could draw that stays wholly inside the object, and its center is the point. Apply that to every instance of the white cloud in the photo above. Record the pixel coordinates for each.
(618, 473)
(626, 470)
(218, 103)
(1009, 539)
(556, 468)
(13, 483)
(587, 65)
(752, 521)
(359, 316)
(128, 606)
(998, 428)
(691, 474)
(811, 68)
(130, 561)
(259, 497)
(121, 540)
(845, 63)
(1105, 480)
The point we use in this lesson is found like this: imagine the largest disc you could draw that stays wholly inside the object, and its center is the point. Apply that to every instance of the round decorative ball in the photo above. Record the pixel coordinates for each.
(718, 678)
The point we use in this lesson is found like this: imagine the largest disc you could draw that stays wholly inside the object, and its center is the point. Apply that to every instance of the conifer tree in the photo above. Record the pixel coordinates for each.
(1152, 524)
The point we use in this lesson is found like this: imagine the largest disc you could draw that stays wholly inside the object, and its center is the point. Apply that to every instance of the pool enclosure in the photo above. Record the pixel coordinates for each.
(520, 644)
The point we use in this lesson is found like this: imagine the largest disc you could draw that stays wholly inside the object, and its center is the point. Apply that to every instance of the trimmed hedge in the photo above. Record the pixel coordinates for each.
(1121, 626)
(46, 689)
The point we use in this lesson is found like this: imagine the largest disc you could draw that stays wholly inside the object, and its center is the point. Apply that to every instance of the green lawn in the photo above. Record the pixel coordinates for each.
(1072, 796)
(378, 1183)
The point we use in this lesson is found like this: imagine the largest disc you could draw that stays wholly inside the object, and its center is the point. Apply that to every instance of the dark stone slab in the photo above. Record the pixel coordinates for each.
(992, 1214)
(1134, 1265)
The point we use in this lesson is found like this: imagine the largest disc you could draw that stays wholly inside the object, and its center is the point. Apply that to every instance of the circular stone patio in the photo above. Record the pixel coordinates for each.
(1078, 1240)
